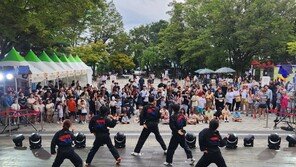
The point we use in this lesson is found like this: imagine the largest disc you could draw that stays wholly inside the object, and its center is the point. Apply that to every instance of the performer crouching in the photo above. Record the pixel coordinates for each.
(64, 140)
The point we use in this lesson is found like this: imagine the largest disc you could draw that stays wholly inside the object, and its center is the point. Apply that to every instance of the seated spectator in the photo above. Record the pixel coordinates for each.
(165, 115)
(209, 115)
(236, 117)
(192, 118)
(226, 113)
(125, 119)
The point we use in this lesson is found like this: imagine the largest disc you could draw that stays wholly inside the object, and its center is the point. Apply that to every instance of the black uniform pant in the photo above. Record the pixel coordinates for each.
(67, 154)
(144, 135)
(174, 142)
(209, 158)
(100, 140)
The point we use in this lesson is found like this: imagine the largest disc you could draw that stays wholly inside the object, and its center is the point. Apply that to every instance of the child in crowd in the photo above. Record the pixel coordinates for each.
(192, 118)
(36, 109)
(201, 104)
(209, 114)
(284, 103)
(60, 109)
(165, 115)
(83, 111)
(15, 107)
(236, 117)
(125, 119)
(226, 113)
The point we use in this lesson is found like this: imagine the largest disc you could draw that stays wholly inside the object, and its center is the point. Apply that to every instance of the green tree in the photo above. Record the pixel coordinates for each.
(292, 48)
(234, 32)
(120, 62)
(143, 37)
(151, 60)
(104, 23)
(93, 54)
(171, 38)
(40, 24)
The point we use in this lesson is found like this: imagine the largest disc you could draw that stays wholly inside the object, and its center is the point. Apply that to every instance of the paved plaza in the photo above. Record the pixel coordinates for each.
(259, 156)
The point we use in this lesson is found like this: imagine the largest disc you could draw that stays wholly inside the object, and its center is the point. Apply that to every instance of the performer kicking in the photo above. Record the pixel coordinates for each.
(209, 143)
(177, 122)
(99, 125)
(149, 118)
(64, 140)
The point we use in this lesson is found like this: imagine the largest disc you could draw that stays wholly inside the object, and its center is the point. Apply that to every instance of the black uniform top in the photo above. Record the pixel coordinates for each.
(150, 114)
(63, 139)
(210, 140)
(100, 124)
(177, 122)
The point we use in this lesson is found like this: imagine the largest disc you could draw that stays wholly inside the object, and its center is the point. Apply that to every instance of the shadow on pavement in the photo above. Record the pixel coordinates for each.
(41, 154)
(267, 154)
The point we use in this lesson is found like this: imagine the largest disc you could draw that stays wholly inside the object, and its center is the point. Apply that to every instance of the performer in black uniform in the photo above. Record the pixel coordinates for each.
(99, 125)
(149, 118)
(177, 122)
(209, 143)
(64, 140)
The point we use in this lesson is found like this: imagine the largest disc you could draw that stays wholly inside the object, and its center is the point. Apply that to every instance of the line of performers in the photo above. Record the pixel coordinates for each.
(209, 138)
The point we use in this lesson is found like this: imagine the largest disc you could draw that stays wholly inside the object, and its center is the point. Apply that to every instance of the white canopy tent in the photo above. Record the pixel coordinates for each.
(13, 58)
(50, 72)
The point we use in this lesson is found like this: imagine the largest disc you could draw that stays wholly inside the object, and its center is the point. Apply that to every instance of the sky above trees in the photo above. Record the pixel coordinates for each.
(138, 12)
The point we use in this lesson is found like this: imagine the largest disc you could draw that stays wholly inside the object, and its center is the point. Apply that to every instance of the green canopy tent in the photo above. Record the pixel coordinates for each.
(62, 73)
(56, 59)
(14, 59)
(50, 72)
(89, 71)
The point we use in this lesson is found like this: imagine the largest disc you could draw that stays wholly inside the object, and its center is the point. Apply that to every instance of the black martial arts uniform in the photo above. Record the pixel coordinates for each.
(177, 122)
(99, 126)
(64, 139)
(150, 117)
(210, 141)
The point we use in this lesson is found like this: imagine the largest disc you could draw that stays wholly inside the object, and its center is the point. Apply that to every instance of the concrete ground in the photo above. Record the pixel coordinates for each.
(257, 156)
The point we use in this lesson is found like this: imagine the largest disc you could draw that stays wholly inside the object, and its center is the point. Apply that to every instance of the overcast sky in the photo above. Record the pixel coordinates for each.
(137, 12)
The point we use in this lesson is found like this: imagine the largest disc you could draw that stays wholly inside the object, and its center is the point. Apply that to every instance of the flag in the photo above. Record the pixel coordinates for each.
(283, 71)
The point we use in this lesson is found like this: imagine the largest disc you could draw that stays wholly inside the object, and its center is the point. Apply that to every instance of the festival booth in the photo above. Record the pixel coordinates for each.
(89, 71)
(62, 73)
(23, 72)
(50, 72)
(56, 60)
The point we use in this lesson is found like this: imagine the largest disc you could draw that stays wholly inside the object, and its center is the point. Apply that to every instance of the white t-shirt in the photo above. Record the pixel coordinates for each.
(229, 97)
(201, 102)
(194, 100)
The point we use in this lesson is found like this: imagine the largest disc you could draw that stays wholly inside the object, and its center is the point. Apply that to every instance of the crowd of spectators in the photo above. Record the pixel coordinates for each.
(200, 102)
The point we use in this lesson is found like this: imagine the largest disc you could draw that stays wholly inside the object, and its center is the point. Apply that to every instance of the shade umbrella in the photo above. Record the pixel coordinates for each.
(225, 70)
(197, 71)
(206, 71)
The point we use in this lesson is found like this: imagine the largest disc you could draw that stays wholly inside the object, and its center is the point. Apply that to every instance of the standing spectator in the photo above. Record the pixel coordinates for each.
(209, 98)
(60, 109)
(219, 102)
(83, 111)
(71, 105)
(284, 103)
(201, 104)
(49, 111)
(229, 98)
(237, 98)
(194, 102)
